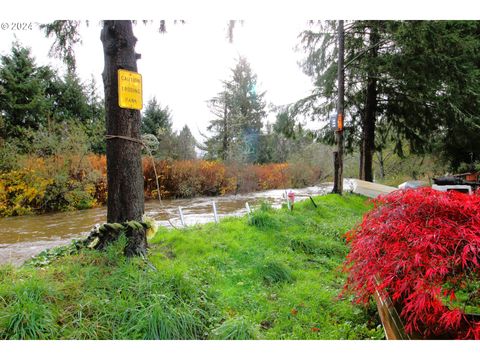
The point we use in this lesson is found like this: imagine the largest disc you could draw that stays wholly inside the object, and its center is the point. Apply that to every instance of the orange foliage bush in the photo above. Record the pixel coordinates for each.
(190, 178)
(185, 178)
(98, 162)
(273, 176)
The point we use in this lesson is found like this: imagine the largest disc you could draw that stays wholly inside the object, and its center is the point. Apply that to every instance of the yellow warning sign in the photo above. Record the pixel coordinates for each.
(129, 90)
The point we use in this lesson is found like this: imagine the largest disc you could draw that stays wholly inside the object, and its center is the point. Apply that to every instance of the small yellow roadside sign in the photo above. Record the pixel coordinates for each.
(129, 90)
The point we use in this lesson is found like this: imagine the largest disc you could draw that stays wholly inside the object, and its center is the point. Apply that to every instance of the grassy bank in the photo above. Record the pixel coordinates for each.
(273, 276)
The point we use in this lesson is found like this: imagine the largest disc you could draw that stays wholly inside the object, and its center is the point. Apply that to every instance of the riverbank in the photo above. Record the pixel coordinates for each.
(22, 237)
(57, 184)
(273, 276)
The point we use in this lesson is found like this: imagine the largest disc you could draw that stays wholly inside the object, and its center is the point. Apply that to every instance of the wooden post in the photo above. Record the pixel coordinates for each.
(182, 219)
(313, 202)
(215, 215)
(335, 172)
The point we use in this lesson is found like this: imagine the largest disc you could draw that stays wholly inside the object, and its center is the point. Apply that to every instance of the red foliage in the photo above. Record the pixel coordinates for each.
(422, 247)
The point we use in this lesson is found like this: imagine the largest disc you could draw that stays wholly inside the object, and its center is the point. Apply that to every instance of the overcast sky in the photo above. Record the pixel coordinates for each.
(184, 67)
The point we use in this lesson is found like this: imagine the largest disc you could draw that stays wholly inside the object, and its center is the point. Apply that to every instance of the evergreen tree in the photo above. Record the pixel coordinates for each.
(247, 106)
(71, 100)
(285, 124)
(34, 98)
(239, 111)
(95, 121)
(441, 113)
(185, 145)
(248, 110)
(23, 104)
(217, 146)
(156, 119)
(413, 75)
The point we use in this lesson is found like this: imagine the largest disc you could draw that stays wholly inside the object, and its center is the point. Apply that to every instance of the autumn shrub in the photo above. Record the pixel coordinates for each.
(421, 247)
(211, 177)
(185, 179)
(163, 169)
(259, 177)
(273, 176)
(247, 179)
(302, 174)
(22, 192)
(98, 163)
(175, 179)
(56, 183)
(190, 178)
(78, 181)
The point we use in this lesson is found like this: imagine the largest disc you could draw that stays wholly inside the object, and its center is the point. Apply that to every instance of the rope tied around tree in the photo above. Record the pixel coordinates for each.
(146, 144)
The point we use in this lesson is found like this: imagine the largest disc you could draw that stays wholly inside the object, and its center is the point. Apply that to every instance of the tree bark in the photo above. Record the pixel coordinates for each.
(124, 164)
(368, 142)
(369, 130)
(338, 155)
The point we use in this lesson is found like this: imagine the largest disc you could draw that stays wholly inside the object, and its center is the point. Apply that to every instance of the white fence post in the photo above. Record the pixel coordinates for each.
(249, 211)
(288, 201)
(182, 219)
(215, 212)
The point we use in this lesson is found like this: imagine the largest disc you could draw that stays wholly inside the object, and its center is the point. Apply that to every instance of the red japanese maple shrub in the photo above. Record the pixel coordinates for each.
(422, 247)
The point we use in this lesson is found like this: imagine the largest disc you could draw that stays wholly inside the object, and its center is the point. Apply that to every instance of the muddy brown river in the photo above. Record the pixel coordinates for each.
(22, 237)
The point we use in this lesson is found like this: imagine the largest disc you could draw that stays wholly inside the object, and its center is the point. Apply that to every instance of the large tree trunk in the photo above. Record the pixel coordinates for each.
(124, 164)
(368, 142)
(369, 130)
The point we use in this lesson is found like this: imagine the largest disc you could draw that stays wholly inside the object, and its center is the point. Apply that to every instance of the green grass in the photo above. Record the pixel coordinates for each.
(273, 275)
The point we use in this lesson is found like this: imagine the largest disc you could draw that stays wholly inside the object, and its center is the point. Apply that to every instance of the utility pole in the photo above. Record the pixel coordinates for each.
(338, 155)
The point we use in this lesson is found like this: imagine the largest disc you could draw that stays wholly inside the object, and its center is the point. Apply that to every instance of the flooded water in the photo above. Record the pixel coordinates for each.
(24, 236)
